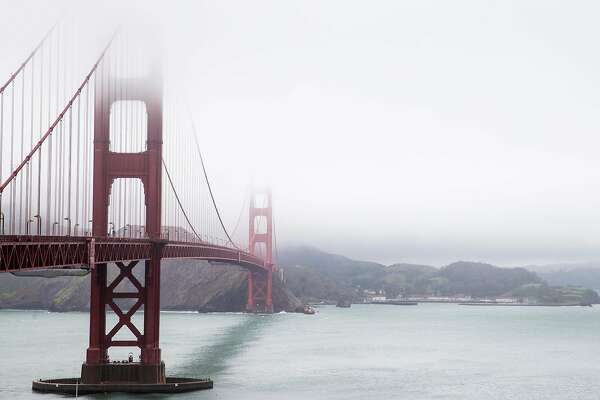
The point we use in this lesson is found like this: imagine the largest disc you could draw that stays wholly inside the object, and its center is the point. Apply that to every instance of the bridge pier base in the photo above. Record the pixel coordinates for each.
(137, 373)
(105, 296)
(73, 386)
(260, 291)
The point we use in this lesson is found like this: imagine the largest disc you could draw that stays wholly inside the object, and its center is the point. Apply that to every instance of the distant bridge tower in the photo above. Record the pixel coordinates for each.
(260, 281)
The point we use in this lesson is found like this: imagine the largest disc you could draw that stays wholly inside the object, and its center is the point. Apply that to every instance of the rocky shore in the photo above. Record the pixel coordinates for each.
(186, 285)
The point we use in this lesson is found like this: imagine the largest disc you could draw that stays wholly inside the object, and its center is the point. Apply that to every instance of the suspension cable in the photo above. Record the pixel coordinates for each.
(177, 198)
(58, 119)
(208, 182)
(239, 219)
(24, 63)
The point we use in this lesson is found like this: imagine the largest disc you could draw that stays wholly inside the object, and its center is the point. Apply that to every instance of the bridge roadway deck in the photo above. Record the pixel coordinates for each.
(18, 253)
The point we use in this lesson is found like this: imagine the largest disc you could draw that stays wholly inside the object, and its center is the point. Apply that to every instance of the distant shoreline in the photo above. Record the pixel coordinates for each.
(521, 304)
(395, 302)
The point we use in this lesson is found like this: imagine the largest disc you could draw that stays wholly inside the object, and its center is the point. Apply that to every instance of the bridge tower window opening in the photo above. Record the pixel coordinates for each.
(127, 209)
(260, 249)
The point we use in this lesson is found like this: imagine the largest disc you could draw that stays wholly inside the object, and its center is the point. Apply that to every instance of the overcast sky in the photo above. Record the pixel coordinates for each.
(393, 131)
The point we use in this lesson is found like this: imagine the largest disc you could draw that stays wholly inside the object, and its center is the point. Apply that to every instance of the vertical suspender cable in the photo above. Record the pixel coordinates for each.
(60, 119)
(27, 167)
(61, 153)
(59, 177)
(119, 113)
(124, 105)
(30, 164)
(77, 166)
(22, 142)
(70, 167)
(1, 158)
(85, 158)
(12, 156)
(55, 149)
(49, 167)
(39, 173)
(10, 82)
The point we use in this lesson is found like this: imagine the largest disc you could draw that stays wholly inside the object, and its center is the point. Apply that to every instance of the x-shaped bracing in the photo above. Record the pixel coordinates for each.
(125, 271)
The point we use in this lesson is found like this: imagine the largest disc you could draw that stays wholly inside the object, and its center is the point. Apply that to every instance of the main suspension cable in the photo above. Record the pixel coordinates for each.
(179, 201)
(208, 182)
(58, 119)
(24, 63)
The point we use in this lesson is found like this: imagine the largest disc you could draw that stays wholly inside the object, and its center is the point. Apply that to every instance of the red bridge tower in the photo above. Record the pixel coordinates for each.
(109, 166)
(260, 281)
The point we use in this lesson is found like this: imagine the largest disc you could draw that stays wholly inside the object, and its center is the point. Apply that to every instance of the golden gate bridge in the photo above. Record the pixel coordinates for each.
(100, 167)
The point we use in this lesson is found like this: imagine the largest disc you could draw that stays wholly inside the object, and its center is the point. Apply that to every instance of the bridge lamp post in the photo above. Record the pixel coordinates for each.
(2, 222)
(90, 222)
(54, 228)
(68, 226)
(38, 217)
(27, 225)
(75, 229)
(111, 231)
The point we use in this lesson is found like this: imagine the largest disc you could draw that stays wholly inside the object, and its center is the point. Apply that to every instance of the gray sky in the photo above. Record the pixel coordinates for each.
(394, 131)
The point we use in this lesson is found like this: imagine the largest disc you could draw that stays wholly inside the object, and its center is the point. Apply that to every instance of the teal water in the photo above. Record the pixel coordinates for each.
(431, 351)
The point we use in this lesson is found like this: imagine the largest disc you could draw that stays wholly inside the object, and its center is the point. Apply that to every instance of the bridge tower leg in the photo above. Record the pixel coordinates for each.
(108, 166)
(260, 280)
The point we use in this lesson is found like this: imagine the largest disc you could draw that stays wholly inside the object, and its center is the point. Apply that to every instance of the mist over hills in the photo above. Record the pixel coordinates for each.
(312, 275)
(574, 274)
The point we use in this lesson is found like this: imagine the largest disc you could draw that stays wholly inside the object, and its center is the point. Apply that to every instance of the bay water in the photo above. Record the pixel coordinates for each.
(429, 351)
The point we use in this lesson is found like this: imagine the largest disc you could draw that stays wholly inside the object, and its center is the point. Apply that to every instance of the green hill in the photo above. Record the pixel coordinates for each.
(314, 275)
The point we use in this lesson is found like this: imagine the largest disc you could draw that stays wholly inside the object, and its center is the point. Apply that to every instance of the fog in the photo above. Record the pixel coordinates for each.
(413, 131)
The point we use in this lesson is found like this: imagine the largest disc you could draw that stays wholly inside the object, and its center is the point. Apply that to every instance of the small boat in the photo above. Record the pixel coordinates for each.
(308, 309)
(343, 304)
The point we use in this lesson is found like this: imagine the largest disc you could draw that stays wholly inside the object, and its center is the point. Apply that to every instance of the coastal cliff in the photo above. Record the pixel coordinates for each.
(185, 285)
